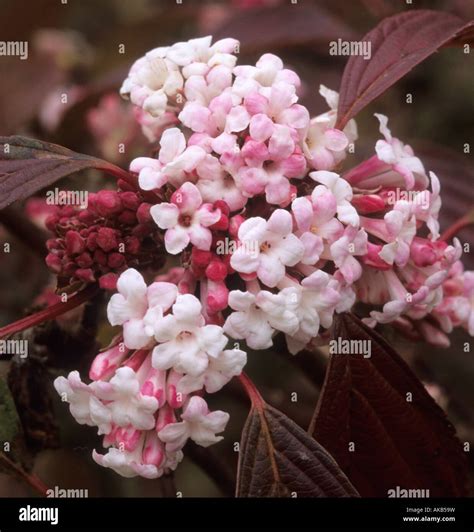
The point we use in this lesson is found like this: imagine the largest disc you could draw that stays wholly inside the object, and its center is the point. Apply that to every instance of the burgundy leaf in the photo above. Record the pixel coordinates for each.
(400, 435)
(278, 459)
(27, 165)
(398, 44)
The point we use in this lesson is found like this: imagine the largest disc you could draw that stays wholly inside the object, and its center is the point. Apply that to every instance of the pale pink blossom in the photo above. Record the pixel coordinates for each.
(268, 247)
(220, 371)
(186, 219)
(135, 306)
(186, 343)
(257, 316)
(342, 191)
(198, 424)
(324, 145)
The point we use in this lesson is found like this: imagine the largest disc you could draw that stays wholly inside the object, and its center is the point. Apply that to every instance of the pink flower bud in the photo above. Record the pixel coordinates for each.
(166, 416)
(234, 223)
(107, 202)
(173, 398)
(154, 385)
(369, 203)
(84, 260)
(130, 200)
(216, 270)
(53, 262)
(143, 213)
(107, 239)
(108, 281)
(217, 296)
(85, 274)
(132, 245)
(105, 363)
(74, 243)
(115, 260)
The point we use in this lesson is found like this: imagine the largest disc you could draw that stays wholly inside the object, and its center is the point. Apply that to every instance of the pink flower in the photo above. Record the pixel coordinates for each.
(85, 407)
(185, 343)
(324, 145)
(186, 219)
(258, 315)
(268, 71)
(352, 243)
(136, 306)
(267, 247)
(198, 424)
(123, 399)
(315, 301)
(342, 192)
(316, 222)
(175, 160)
(400, 156)
(220, 371)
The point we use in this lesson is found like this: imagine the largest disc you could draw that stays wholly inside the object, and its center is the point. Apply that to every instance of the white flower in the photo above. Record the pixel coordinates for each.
(325, 146)
(259, 315)
(267, 247)
(122, 397)
(136, 306)
(317, 298)
(342, 191)
(220, 371)
(186, 219)
(84, 405)
(186, 343)
(400, 156)
(197, 423)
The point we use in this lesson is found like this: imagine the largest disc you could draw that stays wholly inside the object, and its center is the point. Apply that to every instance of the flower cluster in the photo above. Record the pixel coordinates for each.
(145, 391)
(272, 238)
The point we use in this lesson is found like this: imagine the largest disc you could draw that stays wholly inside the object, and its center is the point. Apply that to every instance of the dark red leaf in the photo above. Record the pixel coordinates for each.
(27, 165)
(279, 459)
(397, 442)
(398, 44)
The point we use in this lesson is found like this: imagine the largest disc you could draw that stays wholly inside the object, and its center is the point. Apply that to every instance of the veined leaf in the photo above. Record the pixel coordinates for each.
(398, 44)
(279, 459)
(27, 165)
(377, 420)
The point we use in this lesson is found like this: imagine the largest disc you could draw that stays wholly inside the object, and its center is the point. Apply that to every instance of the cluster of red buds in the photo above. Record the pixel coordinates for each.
(114, 232)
